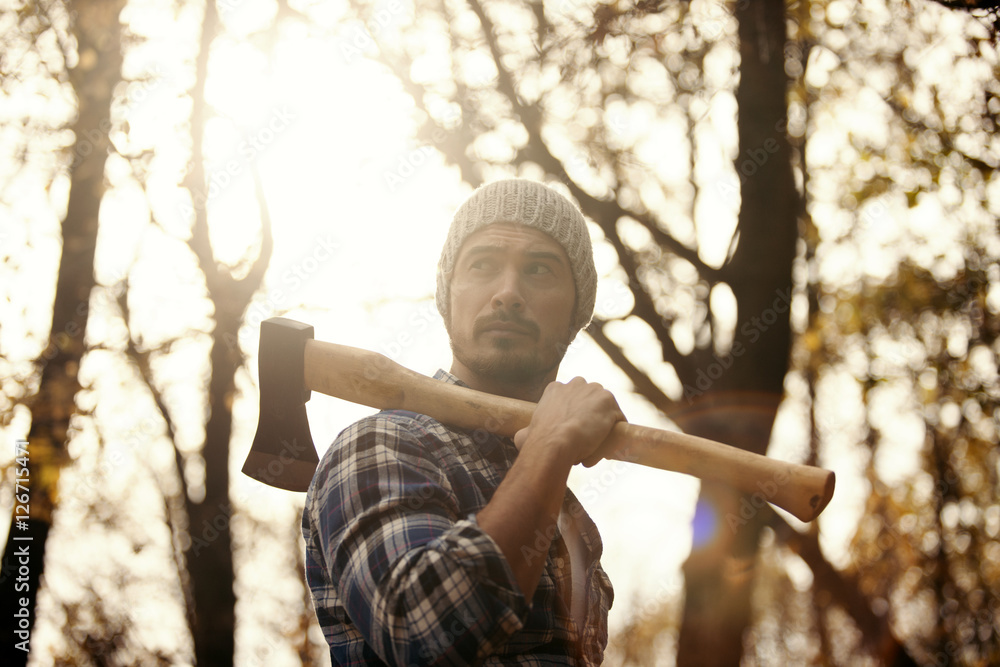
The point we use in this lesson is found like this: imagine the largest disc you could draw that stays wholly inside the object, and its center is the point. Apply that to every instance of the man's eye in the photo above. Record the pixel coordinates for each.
(537, 269)
(481, 265)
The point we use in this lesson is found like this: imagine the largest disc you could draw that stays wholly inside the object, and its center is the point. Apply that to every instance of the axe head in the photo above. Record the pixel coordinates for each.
(282, 454)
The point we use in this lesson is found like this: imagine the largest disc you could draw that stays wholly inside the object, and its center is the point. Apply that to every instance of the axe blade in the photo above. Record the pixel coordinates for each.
(282, 454)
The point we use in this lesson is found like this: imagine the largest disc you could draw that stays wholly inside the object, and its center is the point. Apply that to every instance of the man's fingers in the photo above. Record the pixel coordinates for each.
(603, 450)
(579, 415)
(520, 436)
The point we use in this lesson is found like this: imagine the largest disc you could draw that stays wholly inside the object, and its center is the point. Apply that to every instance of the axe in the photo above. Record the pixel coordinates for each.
(292, 364)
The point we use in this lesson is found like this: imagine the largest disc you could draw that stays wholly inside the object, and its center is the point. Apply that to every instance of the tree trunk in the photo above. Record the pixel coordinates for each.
(98, 32)
(210, 557)
(747, 382)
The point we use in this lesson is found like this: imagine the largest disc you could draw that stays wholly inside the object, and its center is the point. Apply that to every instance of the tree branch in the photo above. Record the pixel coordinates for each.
(251, 282)
(844, 590)
(641, 383)
(605, 213)
(194, 180)
(173, 503)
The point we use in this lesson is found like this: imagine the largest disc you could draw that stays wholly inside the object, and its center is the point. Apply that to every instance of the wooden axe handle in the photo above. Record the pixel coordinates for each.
(372, 379)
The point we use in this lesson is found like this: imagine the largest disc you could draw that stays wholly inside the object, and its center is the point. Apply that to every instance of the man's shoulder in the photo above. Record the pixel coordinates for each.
(406, 424)
(399, 435)
(385, 440)
(395, 445)
(401, 424)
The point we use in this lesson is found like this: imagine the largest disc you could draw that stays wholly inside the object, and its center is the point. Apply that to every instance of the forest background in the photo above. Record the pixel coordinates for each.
(794, 207)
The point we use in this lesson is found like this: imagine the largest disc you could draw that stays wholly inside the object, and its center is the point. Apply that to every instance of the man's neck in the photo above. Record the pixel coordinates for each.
(530, 390)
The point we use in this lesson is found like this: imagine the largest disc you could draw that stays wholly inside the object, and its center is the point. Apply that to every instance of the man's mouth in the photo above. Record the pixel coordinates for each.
(509, 328)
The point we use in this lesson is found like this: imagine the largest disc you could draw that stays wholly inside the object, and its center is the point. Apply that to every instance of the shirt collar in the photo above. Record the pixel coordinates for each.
(445, 376)
(485, 441)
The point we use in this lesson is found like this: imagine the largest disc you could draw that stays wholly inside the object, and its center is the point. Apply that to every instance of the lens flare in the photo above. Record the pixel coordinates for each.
(704, 525)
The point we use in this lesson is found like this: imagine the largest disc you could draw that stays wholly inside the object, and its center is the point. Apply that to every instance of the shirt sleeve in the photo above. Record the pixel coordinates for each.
(420, 580)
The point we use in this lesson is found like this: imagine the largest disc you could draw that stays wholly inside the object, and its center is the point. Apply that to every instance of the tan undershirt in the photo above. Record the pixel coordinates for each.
(570, 529)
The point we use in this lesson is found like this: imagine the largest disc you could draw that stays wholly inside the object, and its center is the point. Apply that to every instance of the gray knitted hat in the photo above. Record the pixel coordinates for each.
(534, 205)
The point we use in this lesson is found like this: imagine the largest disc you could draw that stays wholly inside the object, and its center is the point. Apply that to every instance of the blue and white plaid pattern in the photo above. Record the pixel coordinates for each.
(400, 572)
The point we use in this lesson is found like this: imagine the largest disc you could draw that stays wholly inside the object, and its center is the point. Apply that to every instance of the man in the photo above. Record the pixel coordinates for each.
(433, 545)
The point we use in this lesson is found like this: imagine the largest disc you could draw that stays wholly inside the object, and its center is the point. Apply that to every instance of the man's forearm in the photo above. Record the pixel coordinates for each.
(521, 517)
(568, 426)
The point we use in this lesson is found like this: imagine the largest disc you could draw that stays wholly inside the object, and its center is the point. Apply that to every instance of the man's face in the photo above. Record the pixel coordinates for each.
(512, 298)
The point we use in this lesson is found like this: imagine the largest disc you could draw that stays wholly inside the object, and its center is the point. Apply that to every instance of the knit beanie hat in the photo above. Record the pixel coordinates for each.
(534, 205)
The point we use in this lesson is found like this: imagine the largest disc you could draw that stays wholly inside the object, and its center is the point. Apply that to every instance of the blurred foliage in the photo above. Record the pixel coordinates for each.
(988, 10)
(73, 74)
(926, 549)
(918, 334)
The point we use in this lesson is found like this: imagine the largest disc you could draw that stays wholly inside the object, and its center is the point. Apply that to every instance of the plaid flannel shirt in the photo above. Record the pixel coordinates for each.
(401, 573)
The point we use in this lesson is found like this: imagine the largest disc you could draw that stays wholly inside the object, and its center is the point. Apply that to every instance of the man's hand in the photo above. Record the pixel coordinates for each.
(573, 420)
(569, 425)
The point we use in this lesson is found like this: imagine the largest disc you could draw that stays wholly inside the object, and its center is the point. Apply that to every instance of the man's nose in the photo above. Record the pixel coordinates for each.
(508, 292)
